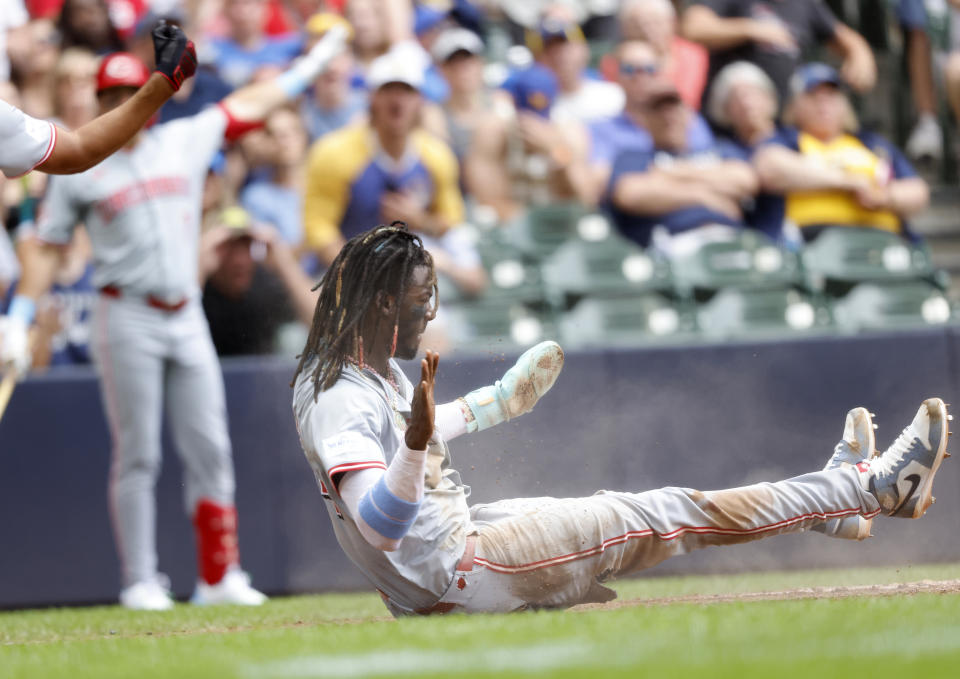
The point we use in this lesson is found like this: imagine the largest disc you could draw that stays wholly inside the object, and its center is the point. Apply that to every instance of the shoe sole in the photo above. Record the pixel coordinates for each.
(926, 490)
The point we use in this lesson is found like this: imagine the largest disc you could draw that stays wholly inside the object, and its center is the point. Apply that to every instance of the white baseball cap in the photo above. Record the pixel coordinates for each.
(393, 68)
(455, 40)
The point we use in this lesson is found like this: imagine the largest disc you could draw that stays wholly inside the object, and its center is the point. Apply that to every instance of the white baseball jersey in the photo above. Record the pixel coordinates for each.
(142, 208)
(25, 142)
(358, 424)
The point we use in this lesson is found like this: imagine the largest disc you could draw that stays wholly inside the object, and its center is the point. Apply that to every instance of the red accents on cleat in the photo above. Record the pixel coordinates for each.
(216, 530)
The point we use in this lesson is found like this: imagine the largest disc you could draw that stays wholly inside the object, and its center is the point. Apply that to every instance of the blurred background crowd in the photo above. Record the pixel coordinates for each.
(604, 172)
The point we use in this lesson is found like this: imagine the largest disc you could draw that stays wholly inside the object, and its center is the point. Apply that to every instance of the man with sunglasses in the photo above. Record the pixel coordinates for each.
(674, 195)
(637, 70)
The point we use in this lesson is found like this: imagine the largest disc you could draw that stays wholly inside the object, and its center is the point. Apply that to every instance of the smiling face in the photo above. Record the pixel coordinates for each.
(417, 309)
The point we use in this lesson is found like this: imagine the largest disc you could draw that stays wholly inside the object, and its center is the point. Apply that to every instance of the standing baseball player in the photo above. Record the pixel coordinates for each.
(151, 343)
(27, 143)
(377, 446)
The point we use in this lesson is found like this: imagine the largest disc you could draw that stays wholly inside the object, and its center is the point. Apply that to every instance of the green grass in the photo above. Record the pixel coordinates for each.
(346, 636)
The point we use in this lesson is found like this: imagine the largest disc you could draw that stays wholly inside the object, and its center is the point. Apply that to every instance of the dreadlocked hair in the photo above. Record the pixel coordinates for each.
(378, 261)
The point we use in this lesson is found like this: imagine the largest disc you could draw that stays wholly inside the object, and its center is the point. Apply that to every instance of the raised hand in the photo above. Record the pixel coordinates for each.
(176, 57)
(422, 413)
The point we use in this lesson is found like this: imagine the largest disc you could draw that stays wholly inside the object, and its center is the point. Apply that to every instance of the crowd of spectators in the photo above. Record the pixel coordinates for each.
(683, 121)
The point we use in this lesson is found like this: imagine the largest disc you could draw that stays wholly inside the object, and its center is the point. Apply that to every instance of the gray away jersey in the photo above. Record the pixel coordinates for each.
(141, 207)
(25, 142)
(358, 424)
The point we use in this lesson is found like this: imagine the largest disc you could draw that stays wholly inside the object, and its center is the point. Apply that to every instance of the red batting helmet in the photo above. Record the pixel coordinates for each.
(121, 69)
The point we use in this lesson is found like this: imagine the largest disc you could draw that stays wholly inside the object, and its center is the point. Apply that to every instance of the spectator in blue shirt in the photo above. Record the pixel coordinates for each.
(247, 48)
(744, 102)
(638, 68)
(672, 196)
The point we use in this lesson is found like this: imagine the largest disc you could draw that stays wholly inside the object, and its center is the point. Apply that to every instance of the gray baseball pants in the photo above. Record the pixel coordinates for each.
(150, 360)
(548, 552)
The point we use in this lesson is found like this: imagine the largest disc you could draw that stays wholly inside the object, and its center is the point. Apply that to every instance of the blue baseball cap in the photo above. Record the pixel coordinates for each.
(533, 89)
(810, 76)
(554, 28)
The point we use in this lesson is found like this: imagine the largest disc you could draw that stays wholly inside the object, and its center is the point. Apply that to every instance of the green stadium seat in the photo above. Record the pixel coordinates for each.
(843, 256)
(626, 321)
(760, 313)
(893, 305)
(749, 260)
(611, 267)
(484, 323)
(543, 229)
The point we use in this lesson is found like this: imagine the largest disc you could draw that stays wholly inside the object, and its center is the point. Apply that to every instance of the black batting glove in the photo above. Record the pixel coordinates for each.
(176, 57)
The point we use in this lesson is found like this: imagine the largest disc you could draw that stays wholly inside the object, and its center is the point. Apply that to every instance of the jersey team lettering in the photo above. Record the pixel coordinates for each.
(141, 192)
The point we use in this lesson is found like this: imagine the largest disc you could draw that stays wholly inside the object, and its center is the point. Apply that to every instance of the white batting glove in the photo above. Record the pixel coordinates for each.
(14, 344)
(315, 62)
(521, 387)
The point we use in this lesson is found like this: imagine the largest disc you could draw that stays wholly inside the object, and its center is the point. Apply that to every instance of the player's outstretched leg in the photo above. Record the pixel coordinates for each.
(858, 444)
(521, 387)
(902, 477)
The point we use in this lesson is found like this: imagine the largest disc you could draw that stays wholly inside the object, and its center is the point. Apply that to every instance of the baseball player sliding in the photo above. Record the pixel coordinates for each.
(378, 447)
(151, 342)
(27, 143)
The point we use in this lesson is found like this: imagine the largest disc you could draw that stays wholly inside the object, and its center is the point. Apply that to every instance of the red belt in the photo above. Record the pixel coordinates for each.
(150, 300)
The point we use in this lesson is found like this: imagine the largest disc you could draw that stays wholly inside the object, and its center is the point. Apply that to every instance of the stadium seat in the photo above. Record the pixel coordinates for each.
(751, 260)
(626, 321)
(843, 256)
(893, 305)
(611, 267)
(484, 323)
(545, 228)
(760, 313)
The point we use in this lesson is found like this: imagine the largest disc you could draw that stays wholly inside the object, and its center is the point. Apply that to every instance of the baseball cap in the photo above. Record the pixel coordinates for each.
(321, 22)
(391, 69)
(426, 17)
(556, 28)
(121, 69)
(533, 89)
(455, 40)
(237, 220)
(809, 76)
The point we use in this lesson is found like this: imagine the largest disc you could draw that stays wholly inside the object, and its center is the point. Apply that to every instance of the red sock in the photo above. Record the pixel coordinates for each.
(216, 529)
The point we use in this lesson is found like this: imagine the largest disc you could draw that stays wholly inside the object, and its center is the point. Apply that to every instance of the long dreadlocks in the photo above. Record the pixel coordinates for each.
(379, 260)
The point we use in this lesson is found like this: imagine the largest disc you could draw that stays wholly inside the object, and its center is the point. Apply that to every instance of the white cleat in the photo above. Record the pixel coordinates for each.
(234, 588)
(902, 477)
(149, 595)
(857, 445)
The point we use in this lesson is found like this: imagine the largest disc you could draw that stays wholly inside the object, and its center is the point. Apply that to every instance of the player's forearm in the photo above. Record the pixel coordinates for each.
(702, 25)
(88, 145)
(450, 420)
(41, 261)
(353, 487)
(385, 505)
(254, 102)
(40, 264)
